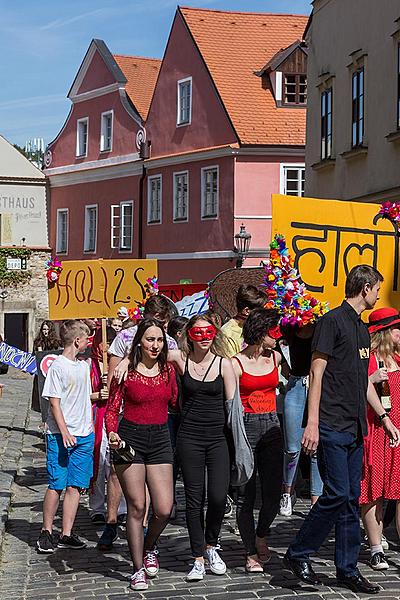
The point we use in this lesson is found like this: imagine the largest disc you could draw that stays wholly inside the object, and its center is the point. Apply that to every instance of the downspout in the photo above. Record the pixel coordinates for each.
(144, 154)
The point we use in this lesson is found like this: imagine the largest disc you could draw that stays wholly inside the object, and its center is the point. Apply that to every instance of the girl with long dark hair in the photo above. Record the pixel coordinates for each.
(149, 387)
(47, 338)
(208, 381)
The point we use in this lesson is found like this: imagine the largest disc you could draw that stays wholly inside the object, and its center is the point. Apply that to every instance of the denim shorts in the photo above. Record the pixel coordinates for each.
(69, 467)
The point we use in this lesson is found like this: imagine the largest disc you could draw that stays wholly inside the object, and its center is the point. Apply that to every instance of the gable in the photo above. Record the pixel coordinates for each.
(15, 164)
(97, 76)
(295, 63)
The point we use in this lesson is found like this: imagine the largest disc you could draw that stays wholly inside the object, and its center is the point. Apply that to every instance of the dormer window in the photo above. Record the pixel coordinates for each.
(294, 88)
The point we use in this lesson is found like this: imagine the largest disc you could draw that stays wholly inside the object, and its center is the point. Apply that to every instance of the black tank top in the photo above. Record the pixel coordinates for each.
(203, 401)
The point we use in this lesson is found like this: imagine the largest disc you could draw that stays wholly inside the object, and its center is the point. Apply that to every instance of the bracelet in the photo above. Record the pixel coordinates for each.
(383, 416)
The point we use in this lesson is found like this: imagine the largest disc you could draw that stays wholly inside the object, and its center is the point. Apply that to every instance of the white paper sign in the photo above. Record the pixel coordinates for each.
(197, 304)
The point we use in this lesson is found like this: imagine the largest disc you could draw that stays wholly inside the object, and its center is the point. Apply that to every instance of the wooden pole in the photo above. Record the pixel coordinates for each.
(104, 344)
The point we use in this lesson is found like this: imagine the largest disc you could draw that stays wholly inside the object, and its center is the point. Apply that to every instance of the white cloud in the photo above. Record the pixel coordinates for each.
(32, 101)
(57, 23)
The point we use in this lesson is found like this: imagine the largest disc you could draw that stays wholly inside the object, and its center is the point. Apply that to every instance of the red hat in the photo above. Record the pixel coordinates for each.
(382, 318)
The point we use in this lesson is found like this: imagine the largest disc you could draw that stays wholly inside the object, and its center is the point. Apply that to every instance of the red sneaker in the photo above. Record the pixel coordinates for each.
(150, 563)
(139, 580)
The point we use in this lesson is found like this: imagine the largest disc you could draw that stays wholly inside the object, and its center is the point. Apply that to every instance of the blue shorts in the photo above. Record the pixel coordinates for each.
(69, 467)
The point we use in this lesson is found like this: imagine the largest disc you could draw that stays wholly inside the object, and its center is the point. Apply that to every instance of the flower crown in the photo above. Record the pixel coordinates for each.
(151, 289)
(286, 293)
(390, 210)
(53, 268)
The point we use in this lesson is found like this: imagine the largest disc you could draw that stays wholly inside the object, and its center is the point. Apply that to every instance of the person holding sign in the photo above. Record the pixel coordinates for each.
(257, 370)
(143, 435)
(381, 473)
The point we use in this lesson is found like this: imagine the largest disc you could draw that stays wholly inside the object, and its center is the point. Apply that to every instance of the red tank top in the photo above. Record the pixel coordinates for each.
(258, 392)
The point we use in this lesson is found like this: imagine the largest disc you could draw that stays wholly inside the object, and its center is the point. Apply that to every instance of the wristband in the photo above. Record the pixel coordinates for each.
(383, 416)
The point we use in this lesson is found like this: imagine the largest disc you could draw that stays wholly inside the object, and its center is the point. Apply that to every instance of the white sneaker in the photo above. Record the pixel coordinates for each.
(285, 509)
(217, 565)
(197, 573)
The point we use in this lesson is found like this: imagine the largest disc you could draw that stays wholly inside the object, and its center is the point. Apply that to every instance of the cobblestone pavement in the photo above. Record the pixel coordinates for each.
(73, 574)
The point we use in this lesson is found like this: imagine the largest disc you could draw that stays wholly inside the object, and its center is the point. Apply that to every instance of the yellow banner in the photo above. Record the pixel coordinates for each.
(328, 237)
(97, 288)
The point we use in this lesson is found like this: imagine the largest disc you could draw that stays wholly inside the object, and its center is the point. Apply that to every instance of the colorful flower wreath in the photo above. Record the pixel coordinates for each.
(390, 210)
(151, 289)
(285, 291)
(53, 269)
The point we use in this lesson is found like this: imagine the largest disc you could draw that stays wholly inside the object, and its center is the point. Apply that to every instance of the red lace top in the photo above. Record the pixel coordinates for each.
(258, 392)
(145, 399)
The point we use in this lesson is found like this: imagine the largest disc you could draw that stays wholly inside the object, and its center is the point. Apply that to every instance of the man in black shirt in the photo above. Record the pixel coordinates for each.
(339, 389)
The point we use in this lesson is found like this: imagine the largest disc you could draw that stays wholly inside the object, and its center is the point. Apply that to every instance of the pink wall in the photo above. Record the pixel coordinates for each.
(197, 234)
(210, 125)
(124, 131)
(256, 179)
(104, 194)
(98, 75)
(200, 271)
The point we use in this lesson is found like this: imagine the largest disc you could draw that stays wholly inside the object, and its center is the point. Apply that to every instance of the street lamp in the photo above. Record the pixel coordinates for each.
(241, 245)
(3, 294)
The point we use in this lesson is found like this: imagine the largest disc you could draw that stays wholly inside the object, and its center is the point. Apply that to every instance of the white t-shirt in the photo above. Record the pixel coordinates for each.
(122, 343)
(69, 380)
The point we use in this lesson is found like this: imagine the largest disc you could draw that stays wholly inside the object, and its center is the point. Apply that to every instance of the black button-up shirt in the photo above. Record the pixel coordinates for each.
(344, 338)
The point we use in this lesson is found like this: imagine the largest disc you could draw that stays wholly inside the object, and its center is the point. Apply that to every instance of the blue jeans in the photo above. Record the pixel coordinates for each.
(340, 461)
(293, 411)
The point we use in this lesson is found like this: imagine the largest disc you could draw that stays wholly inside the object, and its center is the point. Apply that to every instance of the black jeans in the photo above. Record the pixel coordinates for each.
(196, 454)
(340, 463)
(265, 437)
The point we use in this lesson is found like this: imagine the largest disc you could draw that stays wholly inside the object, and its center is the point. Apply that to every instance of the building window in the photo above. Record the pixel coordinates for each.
(106, 131)
(326, 124)
(357, 135)
(90, 240)
(82, 137)
(292, 180)
(295, 89)
(181, 196)
(184, 112)
(154, 195)
(122, 225)
(398, 86)
(209, 192)
(62, 231)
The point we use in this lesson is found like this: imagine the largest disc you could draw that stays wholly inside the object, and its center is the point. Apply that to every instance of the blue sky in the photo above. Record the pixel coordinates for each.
(44, 43)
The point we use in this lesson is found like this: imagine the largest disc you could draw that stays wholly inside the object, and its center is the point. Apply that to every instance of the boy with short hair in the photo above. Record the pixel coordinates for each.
(70, 437)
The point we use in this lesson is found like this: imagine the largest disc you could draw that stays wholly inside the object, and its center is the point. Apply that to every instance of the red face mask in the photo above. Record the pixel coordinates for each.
(274, 333)
(201, 334)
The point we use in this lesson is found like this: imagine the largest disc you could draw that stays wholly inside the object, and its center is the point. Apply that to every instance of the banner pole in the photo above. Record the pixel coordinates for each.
(104, 345)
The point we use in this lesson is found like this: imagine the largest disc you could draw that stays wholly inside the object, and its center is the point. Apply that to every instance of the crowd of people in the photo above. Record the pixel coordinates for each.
(191, 396)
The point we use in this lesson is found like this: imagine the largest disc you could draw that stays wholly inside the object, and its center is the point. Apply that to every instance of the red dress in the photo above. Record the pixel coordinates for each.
(381, 465)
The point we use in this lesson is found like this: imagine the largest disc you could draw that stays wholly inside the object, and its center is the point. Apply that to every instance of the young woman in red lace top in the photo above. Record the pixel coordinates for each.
(148, 389)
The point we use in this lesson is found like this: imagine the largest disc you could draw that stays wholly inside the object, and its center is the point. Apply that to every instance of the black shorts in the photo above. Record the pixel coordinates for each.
(151, 443)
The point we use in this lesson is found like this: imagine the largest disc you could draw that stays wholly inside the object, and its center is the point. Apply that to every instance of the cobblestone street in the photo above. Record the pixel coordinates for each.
(89, 573)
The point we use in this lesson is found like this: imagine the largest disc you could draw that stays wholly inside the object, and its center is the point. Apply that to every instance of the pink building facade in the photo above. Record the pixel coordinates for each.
(169, 166)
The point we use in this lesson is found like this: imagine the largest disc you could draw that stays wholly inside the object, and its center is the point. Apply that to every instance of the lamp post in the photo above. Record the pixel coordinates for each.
(3, 294)
(241, 245)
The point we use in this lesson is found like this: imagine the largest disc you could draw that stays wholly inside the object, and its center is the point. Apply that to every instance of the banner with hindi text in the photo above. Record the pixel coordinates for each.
(328, 237)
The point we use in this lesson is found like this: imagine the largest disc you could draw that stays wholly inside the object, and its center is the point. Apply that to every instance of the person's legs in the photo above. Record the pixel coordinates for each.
(372, 517)
(192, 456)
(97, 499)
(218, 474)
(50, 507)
(70, 508)
(114, 495)
(293, 411)
(333, 465)
(270, 461)
(132, 479)
(57, 460)
(347, 530)
(316, 484)
(160, 485)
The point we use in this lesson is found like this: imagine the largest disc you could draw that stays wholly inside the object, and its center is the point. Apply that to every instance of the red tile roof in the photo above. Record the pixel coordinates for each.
(141, 74)
(234, 45)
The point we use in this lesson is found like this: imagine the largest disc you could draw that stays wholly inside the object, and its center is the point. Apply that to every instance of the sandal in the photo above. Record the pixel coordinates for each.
(263, 552)
(253, 564)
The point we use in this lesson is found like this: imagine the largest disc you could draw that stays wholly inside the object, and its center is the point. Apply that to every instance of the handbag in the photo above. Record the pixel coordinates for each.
(243, 463)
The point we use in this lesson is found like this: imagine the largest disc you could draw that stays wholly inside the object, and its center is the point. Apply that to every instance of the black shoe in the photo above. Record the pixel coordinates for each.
(378, 562)
(71, 541)
(121, 519)
(301, 569)
(358, 584)
(108, 537)
(98, 518)
(228, 507)
(45, 543)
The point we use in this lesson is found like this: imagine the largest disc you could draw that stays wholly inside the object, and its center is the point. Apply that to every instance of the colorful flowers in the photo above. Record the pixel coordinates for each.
(390, 210)
(286, 293)
(151, 289)
(53, 269)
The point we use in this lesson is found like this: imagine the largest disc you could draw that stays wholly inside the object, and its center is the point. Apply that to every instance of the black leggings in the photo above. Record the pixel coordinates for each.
(196, 454)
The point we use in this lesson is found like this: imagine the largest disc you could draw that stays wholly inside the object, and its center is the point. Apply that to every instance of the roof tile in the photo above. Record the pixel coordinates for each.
(141, 74)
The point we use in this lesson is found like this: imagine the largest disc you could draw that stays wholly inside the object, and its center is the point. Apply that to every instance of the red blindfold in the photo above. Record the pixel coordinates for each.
(275, 332)
(201, 334)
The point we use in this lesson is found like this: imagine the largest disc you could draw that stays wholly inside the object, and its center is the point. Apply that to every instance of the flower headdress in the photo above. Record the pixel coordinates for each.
(53, 269)
(286, 293)
(151, 289)
(390, 210)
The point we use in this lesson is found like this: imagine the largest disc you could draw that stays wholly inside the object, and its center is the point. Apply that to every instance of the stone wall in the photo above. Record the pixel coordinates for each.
(29, 297)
